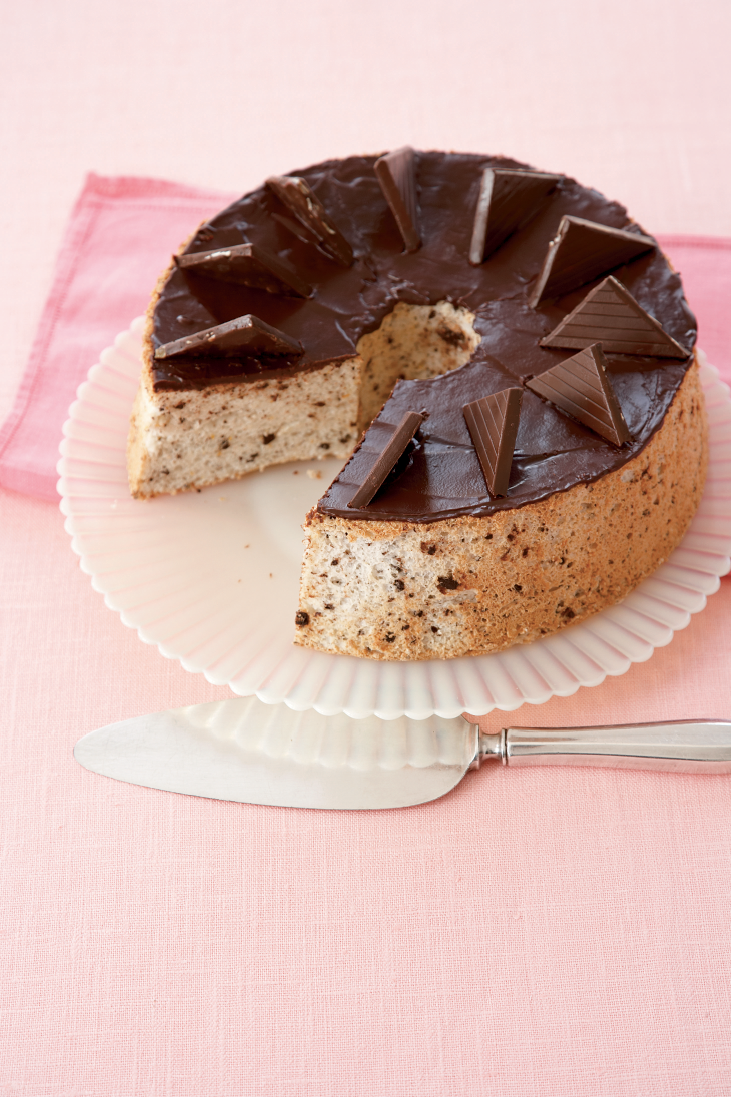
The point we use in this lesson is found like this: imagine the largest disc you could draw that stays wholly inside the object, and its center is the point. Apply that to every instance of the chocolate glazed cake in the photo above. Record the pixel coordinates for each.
(544, 447)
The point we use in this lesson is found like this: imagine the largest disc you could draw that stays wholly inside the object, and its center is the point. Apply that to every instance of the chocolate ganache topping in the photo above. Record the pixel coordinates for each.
(438, 475)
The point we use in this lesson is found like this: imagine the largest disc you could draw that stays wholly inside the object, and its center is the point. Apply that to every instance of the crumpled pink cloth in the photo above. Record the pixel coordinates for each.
(119, 238)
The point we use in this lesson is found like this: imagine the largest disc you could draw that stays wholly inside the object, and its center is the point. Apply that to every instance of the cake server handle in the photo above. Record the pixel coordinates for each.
(675, 746)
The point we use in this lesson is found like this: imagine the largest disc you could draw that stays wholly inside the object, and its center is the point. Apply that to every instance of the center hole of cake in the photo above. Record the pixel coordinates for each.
(413, 342)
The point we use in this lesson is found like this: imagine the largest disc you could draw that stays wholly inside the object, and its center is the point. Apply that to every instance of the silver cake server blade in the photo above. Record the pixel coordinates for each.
(249, 752)
(253, 753)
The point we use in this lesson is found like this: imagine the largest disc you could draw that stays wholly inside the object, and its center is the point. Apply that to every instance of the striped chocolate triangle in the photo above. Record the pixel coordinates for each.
(246, 335)
(385, 460)
(507, 201)
(493, 425)
(610, 315)
(301, 201)
(581, 251)
(580, 387)
(396, 175)
(246, 265)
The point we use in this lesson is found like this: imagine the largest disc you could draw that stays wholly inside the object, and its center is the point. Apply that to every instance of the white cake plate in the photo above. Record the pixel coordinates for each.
(212, 577)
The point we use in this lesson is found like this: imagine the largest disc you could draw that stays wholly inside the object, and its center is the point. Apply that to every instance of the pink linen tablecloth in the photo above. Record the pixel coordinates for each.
(534, 934)
(527, 902)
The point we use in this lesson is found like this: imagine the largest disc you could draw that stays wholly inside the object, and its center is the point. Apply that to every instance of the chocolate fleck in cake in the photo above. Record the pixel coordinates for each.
(518, 353)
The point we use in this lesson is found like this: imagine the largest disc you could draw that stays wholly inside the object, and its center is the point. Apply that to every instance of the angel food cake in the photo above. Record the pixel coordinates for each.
(506, 357)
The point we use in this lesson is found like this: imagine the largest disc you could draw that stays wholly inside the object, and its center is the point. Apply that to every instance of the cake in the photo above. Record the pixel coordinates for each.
(504, 356)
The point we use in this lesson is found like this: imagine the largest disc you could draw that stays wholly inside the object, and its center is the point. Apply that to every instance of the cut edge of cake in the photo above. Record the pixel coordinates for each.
(188, 439)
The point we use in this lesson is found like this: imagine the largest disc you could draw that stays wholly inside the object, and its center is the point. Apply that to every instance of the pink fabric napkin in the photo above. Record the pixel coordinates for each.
(119, 238)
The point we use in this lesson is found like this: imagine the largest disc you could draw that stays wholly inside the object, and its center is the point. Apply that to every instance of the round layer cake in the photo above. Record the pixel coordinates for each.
(544, 447)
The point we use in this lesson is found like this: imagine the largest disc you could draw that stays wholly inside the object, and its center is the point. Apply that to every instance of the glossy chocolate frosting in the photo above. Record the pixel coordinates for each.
(439, 475)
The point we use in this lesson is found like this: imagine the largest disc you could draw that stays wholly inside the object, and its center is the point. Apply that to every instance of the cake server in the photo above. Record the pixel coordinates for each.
(252, 753)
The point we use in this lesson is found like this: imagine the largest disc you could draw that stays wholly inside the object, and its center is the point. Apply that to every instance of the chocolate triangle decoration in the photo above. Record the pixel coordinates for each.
(245, 335)
(581, 251)
(493, 425)
(301, 201)
(580, 387)
(396, 175)
(507, 201)
(610, 315)
(387, 458)
(246, 265)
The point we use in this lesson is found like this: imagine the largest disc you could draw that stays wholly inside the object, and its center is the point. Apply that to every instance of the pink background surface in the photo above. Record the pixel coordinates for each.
(535, 933)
